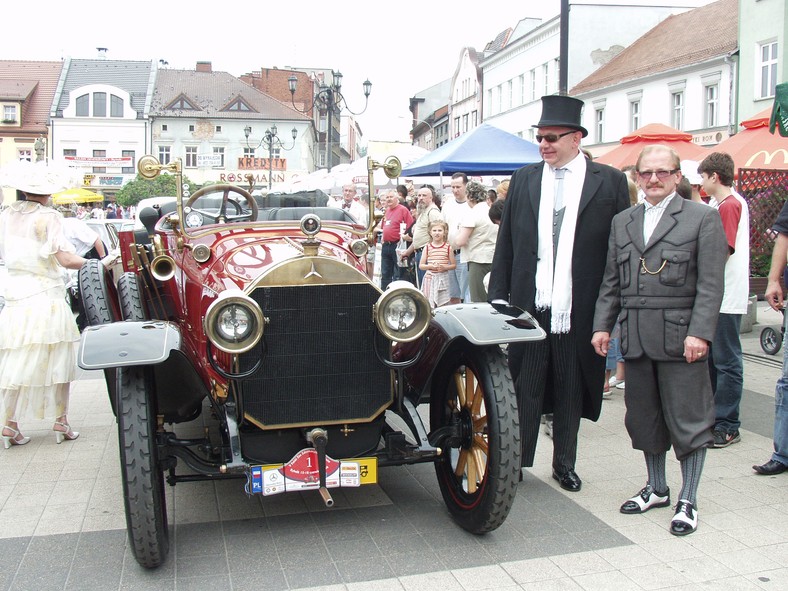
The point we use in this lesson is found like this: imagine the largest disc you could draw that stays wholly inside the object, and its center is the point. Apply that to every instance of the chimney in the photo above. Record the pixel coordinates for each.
(204, 67)
(102, 52)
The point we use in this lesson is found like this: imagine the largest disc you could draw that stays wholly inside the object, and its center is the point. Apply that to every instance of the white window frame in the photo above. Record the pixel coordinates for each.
(634, 115)
(711, 105)
(9, 113)
(219, 150)
(25, 154)
(599, 124)
(677, 110)
(190, 161)
(767, 69)
(165, 155)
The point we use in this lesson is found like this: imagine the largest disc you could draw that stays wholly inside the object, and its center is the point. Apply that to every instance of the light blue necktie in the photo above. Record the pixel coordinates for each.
(558, 199)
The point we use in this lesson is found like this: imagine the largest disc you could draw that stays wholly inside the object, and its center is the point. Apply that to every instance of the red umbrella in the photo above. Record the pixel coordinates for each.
(755, 147)
(653, 133)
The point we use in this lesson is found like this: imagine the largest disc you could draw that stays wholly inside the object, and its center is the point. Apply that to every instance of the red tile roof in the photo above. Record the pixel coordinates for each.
(35, 82)
(683, 39)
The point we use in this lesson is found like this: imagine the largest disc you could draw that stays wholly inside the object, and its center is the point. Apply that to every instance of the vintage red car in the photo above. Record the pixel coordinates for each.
(264, 316)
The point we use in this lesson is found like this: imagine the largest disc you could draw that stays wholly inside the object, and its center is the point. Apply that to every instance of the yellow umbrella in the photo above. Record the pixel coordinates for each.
(76, 196)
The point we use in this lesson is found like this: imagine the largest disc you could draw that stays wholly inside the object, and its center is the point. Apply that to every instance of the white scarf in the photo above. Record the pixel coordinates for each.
(554, 286)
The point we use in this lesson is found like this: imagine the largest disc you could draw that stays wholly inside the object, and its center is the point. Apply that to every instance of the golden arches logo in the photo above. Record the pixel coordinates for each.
(767, 157)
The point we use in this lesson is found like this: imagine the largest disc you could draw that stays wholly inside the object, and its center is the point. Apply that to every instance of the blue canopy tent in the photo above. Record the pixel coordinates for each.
(485, 150)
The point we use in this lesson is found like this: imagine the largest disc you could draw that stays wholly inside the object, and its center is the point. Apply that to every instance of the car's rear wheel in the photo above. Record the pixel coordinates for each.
(478, 475)
(131, 307)
(143, 481)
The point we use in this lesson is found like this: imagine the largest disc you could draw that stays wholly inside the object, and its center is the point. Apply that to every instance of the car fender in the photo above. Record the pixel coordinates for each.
(478, 324)
(127, 343)
(483, 325)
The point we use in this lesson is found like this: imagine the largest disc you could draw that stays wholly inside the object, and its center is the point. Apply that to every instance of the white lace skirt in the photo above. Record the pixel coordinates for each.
(37, 355)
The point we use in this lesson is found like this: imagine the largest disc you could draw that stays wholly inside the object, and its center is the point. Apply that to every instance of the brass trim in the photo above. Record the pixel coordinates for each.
(369, 419)
(310, 270)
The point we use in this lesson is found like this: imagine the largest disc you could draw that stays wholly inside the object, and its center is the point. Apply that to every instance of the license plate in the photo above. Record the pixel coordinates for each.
(301, 473)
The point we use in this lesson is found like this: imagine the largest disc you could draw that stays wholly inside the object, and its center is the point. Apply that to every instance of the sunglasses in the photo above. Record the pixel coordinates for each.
(661, 174)
(552, 138)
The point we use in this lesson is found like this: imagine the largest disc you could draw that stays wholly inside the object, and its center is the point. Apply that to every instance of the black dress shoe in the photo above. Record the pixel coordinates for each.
(569, 480)
(685, 521)
(771, 468)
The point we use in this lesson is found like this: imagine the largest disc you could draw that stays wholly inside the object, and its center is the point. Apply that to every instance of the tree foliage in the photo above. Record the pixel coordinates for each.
(140, 188)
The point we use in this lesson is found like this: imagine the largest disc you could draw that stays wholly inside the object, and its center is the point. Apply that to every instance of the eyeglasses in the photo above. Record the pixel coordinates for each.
(661, 174)
(552, 138)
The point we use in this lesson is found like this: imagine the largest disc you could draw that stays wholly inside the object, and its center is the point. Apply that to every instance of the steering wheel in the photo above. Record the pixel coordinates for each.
(222, 216)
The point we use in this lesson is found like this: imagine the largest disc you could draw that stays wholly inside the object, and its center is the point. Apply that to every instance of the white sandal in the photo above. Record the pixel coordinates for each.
(9, 440)
(68, 434)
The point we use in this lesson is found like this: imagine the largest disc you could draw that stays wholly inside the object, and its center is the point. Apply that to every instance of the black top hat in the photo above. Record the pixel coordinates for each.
(561, 111)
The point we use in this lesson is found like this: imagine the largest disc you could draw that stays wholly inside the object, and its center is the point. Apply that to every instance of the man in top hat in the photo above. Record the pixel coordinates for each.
(549, 260)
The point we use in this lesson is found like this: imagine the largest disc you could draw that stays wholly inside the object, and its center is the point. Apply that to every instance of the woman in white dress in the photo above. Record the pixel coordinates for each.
(37, 327)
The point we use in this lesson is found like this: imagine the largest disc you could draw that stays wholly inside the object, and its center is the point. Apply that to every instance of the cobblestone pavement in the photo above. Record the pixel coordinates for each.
(62, 523)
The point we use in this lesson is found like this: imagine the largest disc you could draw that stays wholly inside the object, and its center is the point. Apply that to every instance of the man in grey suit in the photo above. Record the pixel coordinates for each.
(549, 259)
(664, 280)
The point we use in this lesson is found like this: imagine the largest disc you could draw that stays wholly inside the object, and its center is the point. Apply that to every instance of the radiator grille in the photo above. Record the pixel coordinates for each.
(321, 365)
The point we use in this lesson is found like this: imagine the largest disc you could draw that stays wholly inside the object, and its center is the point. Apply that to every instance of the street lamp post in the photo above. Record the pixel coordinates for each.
(271, 140)
(332, 98)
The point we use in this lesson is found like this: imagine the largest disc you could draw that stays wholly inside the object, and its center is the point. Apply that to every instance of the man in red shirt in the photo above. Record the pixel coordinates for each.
(394, 216)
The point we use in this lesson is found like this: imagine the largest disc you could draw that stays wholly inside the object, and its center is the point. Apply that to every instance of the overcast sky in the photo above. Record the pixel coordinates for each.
(403, 47)
(394, 44)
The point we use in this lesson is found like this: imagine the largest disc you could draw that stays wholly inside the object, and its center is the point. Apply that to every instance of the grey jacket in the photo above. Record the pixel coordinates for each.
(665, 290)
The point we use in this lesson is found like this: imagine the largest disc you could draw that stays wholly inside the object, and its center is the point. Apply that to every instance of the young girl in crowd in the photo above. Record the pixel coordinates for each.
(437, 261)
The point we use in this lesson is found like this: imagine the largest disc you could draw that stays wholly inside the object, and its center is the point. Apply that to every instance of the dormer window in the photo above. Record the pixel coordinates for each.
(9, 114)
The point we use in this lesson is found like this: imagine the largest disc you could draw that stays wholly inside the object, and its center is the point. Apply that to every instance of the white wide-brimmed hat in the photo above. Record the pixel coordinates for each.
(40, 178)
(689, 170)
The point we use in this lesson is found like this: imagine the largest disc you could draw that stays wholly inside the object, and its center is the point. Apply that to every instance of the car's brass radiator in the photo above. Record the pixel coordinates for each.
(319, 363)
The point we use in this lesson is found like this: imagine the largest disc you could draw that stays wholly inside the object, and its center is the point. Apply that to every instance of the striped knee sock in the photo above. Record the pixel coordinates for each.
(655, 464)
(691, 468)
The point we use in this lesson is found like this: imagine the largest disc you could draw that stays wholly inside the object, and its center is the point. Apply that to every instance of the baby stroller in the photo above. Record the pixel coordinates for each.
(772, 339)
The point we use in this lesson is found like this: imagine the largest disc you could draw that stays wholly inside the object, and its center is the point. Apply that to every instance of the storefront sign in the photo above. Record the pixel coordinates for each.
(246, 163)
(100, 161)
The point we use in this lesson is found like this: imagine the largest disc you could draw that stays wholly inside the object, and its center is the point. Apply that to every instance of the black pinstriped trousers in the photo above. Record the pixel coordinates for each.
(549, 369)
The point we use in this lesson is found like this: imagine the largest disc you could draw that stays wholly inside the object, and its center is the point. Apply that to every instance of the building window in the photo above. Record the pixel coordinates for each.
(218, 129)
(600, 125)
(768, 69)
(219, 152)
(712, 105)
(115, 106)
(489, 102)
(191, 157)
(99, 154)
(533, 84)
(128, 154)
(522, 90)
(25, 154)
(677, 110)
(191, 128)
(83, 105)
(164, 127)
(69, 153)
(499, 103)
(99, 104)
(456, 127)
(546, 79)
(465, 123)
(275, 152)
(634, 115)
(475, 118)
(9, 113)
(510, 93)
(164, 154)
(248, 152)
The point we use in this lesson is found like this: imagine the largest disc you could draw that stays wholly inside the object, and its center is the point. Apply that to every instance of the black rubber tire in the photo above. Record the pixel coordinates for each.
(96, 294)
(98, 299)
(771, 340)
(143, 480)
(131, 306)
(494, 423)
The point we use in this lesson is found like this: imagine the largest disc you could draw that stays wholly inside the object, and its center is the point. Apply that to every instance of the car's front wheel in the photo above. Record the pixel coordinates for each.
(478, 473)
(143, 481)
